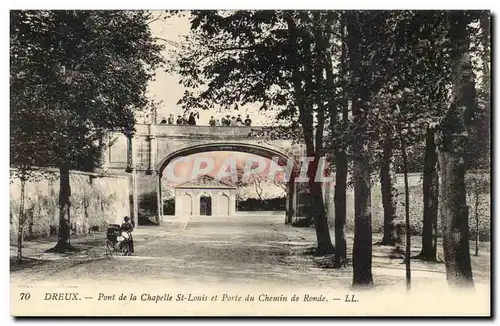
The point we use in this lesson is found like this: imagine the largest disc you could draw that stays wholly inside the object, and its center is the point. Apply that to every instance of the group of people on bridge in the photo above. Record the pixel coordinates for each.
(231, 121)
(181, 120)
(225, 121)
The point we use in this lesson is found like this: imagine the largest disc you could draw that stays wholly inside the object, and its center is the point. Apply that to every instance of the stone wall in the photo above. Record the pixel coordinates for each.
(416, 207)
(96, 200)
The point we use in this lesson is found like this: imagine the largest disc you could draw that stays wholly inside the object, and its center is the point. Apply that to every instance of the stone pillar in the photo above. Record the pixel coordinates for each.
(159, 197)
(291, 201)
(134, 205)
(135, 202)
(177, 203)
(104, 163)
(295, 202)
(148, 196)
(195, 204)
(151, 149)
(130, 154)
(232, 203)
(215, 203)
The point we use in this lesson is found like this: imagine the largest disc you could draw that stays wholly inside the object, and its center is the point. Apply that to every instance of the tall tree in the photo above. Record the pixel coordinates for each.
(485, 35)
(27, 150)
(453, 135)
(387, 189)
(396, 74)
(368, 35)
(430, 186)
(362, 249)
(370, 39)
(414, 99)
(89, 71)
(267, 57)
(340, 148)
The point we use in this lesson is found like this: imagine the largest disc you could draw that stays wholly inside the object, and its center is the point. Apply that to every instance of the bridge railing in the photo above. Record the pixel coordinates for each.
(187, 130)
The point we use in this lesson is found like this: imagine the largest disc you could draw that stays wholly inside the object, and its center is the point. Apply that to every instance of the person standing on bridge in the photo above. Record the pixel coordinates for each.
(212, 121)
(171, 119)
(179, 120)
(191, 120)
(248, 121)
(239, 122)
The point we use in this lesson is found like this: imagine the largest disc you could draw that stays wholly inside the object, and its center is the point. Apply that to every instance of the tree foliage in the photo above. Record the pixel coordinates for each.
(365, 87)
(75, 77)
(266, 57)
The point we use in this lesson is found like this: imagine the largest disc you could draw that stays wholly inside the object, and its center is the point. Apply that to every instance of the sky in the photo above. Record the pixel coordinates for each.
(166, 87)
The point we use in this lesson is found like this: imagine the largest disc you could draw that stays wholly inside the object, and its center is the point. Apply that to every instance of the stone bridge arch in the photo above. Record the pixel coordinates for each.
(263, 150)
(145, 154)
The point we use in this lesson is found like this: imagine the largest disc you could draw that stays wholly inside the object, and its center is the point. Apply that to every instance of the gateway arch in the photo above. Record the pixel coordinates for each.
(144, 156)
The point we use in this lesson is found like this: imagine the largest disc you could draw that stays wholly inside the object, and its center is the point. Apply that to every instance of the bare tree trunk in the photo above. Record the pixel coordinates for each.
(407, 217)
(63, 240)
(430, 191)
(386, 185)
(485, 23)
(451, 155)
(313, 144)
(340, 157)
(31, 221)
(454, 216)
(325, 245)
(318, 212)
(86, 204)
(258, 186)
(362, 248)
(486, 59)
(476, 204)
(20, 223)
(340, 208)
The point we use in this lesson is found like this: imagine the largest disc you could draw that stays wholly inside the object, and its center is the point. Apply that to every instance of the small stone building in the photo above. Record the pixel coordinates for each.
(205, 196)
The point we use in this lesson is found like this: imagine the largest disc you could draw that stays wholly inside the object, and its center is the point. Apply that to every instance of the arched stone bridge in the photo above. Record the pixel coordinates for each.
(145, 155)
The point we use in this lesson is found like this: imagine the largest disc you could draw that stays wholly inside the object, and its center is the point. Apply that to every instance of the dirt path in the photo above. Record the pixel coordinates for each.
(239, 250)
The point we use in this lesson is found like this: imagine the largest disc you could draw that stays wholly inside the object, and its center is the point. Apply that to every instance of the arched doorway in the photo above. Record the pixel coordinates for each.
(205, 205)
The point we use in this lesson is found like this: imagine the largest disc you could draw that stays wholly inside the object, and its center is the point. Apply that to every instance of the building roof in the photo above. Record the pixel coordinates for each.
(206, 181)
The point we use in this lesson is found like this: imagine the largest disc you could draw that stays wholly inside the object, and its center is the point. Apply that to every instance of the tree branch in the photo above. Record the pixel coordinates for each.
(153, 20)
(166, 41)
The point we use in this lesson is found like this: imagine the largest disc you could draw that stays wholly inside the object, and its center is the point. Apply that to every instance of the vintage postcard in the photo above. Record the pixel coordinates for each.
(250, 163)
